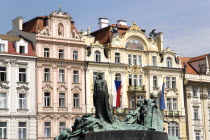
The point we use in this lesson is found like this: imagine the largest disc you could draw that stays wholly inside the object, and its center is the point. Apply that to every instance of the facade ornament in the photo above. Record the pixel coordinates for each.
(47, 87)
(4, 61)
(23, 88)
(114, 30)
(204, 96)
(152, 34)
(46, 31)
(189, 95)
(2, 86)
(62, 88)
(135, 27)
(13, 62)
(76, 89)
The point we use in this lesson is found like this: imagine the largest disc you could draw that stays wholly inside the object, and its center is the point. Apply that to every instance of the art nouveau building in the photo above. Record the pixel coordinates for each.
(125, 53)
(17, 89)
(197, 96)
(60, 70)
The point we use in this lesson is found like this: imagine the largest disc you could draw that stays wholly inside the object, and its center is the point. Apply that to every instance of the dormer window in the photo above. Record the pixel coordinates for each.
(22, 49)
(97, 56)
(2, 47)
(169, 62)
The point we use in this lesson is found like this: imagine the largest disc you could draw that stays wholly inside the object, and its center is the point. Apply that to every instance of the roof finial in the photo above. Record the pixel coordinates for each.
(59, 9)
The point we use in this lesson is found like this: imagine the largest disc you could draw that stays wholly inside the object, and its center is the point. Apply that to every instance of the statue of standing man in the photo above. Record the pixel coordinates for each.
(101, 99)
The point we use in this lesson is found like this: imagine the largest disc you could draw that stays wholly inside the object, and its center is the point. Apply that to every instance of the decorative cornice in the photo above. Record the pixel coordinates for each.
(22, 87)
(47, 87)
(3, 86)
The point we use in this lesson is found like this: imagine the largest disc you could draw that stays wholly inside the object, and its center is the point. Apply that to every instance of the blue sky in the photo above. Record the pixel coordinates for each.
(185, 23)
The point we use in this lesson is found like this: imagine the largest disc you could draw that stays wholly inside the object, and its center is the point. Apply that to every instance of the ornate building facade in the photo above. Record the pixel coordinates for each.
(17, 89)
(60, 70)
(197, 96)
(126, 54)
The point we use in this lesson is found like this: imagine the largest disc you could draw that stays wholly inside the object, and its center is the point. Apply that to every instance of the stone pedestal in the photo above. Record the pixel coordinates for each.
(127, 135)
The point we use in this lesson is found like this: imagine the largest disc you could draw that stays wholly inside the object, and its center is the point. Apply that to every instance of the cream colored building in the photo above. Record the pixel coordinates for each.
(197, 96)
(141, 63)
(60, 70)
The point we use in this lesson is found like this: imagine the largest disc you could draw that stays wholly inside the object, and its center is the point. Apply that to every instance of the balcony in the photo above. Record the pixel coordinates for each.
(136, 88)
(172, 113)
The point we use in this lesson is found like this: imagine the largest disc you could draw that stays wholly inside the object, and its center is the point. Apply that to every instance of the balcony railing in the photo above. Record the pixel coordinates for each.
(172, 113)
(136, 88)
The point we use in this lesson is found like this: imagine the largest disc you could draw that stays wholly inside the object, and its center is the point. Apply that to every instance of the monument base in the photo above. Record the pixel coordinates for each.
(127, 135)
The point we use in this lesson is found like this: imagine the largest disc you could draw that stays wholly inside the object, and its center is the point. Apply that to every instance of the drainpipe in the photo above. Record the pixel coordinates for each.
(86, 66)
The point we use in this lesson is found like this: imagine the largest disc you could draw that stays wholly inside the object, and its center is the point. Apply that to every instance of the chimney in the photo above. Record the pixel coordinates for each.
(17, 23)
(122, 22)
(159, 37)
(103, 22)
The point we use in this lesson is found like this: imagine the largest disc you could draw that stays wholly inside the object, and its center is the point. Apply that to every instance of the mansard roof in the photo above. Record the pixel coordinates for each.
(11, 45)
(103, 35)
(189, 68)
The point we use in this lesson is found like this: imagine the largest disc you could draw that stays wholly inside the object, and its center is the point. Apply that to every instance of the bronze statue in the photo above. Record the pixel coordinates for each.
(101, 100)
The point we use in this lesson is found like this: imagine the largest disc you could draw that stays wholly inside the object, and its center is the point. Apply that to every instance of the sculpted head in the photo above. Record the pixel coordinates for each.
(100, 75)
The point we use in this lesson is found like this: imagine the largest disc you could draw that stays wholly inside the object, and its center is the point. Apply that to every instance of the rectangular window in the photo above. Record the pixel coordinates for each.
(22, 49)
(140, 80)
(139, 60)
(76, 100)
(3, 100)
(209, 93)
(3, 74)
(117, 58)
(22, 74)
(47, 129)
(62, 100)
(46, 74)
(175, 104)
(168, 82)
(130, 80)
(169, 106)
(134, 60)
(2, 47)
(154, 61)
(61, 75)
(195, 92)
(135, 80)
(61, 54)
(196, 117)
(76, 76)
(132, 101)
(22, 130)
(46, 52)
(197, 135)
(140, 99)
(75, 55)
(3, 130)
(129, 60)
(173, 82)
(22, 101)
(47, 99)
(62, 126)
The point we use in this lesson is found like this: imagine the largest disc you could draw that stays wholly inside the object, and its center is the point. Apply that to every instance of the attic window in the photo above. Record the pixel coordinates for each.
(22, 49)
(2, 47)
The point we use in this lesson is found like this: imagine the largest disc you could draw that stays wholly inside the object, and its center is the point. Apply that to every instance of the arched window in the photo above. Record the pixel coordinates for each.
(60, 29)
(173, 128)
(97, 56)
(117, 77)
(155, 81)
(169, 62)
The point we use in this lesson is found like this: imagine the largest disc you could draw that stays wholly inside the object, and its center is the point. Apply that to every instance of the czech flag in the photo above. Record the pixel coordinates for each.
(116, 97)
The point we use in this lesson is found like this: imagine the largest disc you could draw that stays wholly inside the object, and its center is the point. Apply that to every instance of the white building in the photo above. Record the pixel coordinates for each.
(17, 89)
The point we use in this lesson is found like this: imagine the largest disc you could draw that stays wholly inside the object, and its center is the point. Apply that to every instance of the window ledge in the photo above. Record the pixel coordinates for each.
(47, 81)
(22, 82)
(195, 96)
(4, 108)
(4, 82)
(25, 110)
(47, 107)
(62, 82)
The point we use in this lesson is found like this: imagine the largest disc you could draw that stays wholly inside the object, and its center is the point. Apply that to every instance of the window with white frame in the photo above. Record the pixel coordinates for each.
(22, 49)
(97, 56)
(140, 80)
(3, 130)
(139, 60)
(47, 129)
(129, 59)
(197, 135)
(62, 100)
(130, 80)
(3, 74)
(76, 76)
(154, 61)
(22, 101)
(132, 101)
(3, 100)
(173, 128)
(61, 53)
(46, 74)
(172, 104)
(117, 77)
(75, 55)
(140, 99)
(155, 84)
(117, 57)
(46, 52)
(173, 82)
(46, 99)
(76, 100)
(22, 74)
(208, 93)
(135, 80)
(134, 59)
(169, 62)
(2, 47)
(168, 85)
(22, 130)
(62, 126)
(196, 113)
(195, 92)
(61, 75)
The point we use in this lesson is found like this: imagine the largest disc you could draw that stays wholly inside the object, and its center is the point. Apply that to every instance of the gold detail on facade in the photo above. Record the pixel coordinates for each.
(135, 27)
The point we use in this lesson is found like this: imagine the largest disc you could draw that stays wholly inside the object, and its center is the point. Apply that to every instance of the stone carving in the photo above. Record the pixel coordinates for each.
(189, 95)
(2, 86)
(45, 31)
(135, 27)
(22, 89)
(4, 61)
(47, 87)
(62, 88)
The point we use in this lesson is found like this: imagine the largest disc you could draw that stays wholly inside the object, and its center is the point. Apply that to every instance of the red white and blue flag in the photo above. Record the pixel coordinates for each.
(116, 97)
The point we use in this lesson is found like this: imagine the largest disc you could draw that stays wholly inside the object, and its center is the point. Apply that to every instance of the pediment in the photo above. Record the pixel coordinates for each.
(47, 87)
(62, 88)
(2, 86)
(76, 89)
(22, 89)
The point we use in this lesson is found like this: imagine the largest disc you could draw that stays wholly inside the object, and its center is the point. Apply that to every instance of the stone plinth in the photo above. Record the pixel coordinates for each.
(127, 135)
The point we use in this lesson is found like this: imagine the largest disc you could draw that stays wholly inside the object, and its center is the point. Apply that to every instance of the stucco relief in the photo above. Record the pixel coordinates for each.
(47, 117)
(76, 89)
(4, 61)
(47, 87)
(2, 86)
(22, 89)
(189, 95)
(45, 32)
(62, 88)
